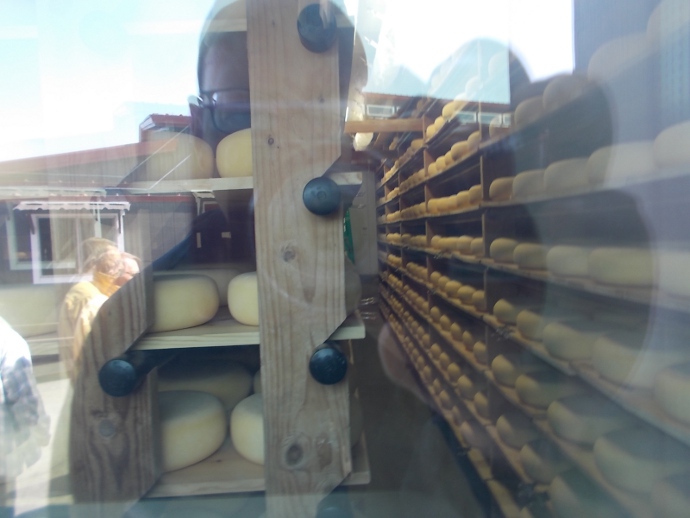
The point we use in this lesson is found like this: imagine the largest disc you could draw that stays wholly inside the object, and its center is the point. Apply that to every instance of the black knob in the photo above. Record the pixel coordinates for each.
(121, 376)
(321, 196)
(328, 364)
(315, 33)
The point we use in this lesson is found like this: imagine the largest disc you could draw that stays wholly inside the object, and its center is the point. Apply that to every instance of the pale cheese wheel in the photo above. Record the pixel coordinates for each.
(435, 276)
(221, 274)
(541, 388)
(670, 149)
(583, 418)
(515, 429)
(671, 387)
(566, 175)
(435, 313)
(568, 260)
(234, 155)
(529, 183)
(454, 371)
(506, 311)
(432, 170)
(528, 111)
(530, 256)
(179, 157)
(562, 90)
(672, 276)
(616, 55)
(474, 140)
(462, 199)
(435, 351)
(481, 354)
(182, 301)
(468, 339)
(459, 150)
(477, 247)
(445, 400)
(572, 340)
(434, 207)
(431, 131)
(464, 244)
(573, 495)
(247, 428)
(501, 189)
(456, 331)
(465, 293)
(502, 249)
(451, 108)
(243, 299)
(30, 309)
(476, 194)
(230, 381)
(474, 435)
(479, 300)
(469, 387)
(452, 288)
(531, 323)
(508, 367)
(416, 143)
(445, 322)
(542, 460)
(481, 404)
(442, 281)
(193, 426)
(622, 266)
(629, 160)
(634, 459)
(671, 496)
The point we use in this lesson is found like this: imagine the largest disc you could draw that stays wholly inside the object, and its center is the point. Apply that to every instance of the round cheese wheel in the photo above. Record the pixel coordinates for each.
(568, 260)
(583, 418)
(193, 427)
(452, 288)
(531, 323)
(462, 199)
(622, 266)
(454, 371)
(468, 339)
(445, 322)
(459, 150)
(474, 140)
(445, 400)
(179, 157)
(502, 249)
(467, 387)
(515, 429)
(563, 89)
(442, 281)
(435, 313)
(613, 57)
(573, 495)
(480, 352)
(432, 170)
(530, 256)
(440, 164)
(435, 351)
(528, 111)
(230, 382)
(465, 294)
(451, 108)
(671, 496)
(542, 460)
(462, 244)
(671, 387)
(636, 458)
(456, 331)
(506, 311)
(30, 309)
(182, 301)
(481, 404)
(431, 131)
(479, 300)
(572, 340)
(247, 428)
(529, 183)
(501, 189)
(508, 367)
(672, 268)
(612, 164)
(541, 388)
(669, 146)
(474, 435)
(416, 143)
(477, 247)
(476, 194)
(220, 274)
(566, 175)
(234, 155)
(243, 299)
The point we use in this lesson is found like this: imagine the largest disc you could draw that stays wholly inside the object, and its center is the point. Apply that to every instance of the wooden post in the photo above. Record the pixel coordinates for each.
(295, 101)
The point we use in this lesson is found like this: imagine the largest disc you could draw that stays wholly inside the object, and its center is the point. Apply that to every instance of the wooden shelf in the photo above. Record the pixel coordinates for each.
(539, 350)
(511, 396)
(223, 331)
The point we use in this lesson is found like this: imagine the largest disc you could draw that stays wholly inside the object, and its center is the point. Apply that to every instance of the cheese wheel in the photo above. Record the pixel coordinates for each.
(475, 194)
(440, 164)
(451, 108)
(179, 157)
(221, 274)
(480, 352)
(529, 183)
(612, 164)
(477, 247)
(566, 175)
(670, 496)
(613, 57)
(452, 287)
(467, 387)
(442, 281)
(479, 300)
(435, 351)
(583, 418)
(416, 143)
(445, 400)
(543, 461)
(465, 294)
(435, 313)
(454, 371)
(528, 111)
(502, 249)
(531, 323)
(445, 322)
(572, 340)
(234, 155)
(672, 268)
(30, 309)
(462, 199)
(456, 331)
(230, 382)
(243, 299)
(459, 150)
(573, 496)
(182, 301)
(474, 435)
(636, 458)
(541, 388)
(622, 266)
(568, 260)
(432, 170)
(192, 425)
(474, 140)
(515, 429)
(506, 311)
(468, 339)
(501, 189)
(562, 90)
(530, 256)
(247, 428)
(481, 404)
(508, 367)
(463, 244)
(671, 387)
(669, 146)
(431, 131)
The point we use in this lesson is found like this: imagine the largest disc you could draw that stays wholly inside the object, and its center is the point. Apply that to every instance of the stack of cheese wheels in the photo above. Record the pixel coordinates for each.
(221, 274)
(193, 427)
(542, 460)
(541, 388)
(572, 340)
(528, 183)
(234, 155)
(573, 496)
(568, 260)
(672, 265)
(502, 249)
(179, 157)
(634, 459)
(671, 496)
(669, 151)
(620, 162)
(622, 266)
(182, 301)
(475, 435)
(566, 175)
(507, 311)
(583, 418)
(507, 367)
(562, 90)
(515, 429)
(671, 387)
(501, 189)
(530, 256)
(229, 381)
(30, 309)
(613, 57)
(528, 111)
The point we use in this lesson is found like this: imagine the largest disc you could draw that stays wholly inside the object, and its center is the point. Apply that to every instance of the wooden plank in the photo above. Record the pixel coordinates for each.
(383, 126)
(295, 106)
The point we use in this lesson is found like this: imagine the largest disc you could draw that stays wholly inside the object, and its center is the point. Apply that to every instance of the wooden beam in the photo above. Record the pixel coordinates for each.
(383, 126)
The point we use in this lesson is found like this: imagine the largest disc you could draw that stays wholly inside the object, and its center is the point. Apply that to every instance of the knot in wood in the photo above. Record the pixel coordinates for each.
(289, 254)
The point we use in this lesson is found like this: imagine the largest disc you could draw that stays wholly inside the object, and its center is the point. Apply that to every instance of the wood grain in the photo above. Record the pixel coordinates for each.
(296, 137)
